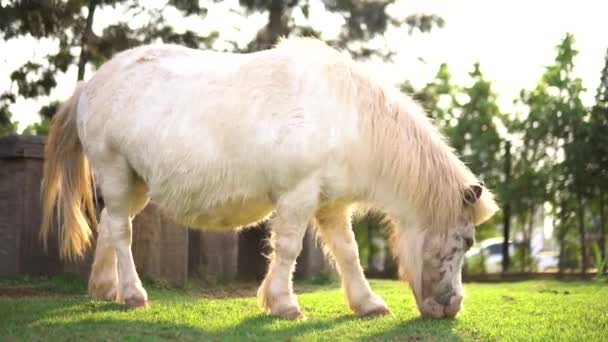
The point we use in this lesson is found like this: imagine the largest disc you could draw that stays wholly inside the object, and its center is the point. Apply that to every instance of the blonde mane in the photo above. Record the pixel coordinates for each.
(411, 149)
(402, 141)
(432, 177)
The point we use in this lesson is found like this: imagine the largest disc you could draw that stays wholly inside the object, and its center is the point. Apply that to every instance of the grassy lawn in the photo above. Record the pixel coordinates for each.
(530, 310)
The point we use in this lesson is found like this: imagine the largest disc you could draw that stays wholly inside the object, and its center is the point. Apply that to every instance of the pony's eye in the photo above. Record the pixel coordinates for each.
(469, 241)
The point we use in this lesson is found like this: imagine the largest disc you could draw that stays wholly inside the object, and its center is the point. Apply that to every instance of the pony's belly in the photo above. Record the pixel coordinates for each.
(233, 215)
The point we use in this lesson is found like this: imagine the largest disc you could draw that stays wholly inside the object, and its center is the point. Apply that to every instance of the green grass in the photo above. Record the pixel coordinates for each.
(530, 310)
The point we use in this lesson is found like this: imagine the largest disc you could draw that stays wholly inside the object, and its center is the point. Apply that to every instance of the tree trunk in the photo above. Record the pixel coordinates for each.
(275, 28)
(528, 241)
(602, 240)
(522, 251)
(562, 241)
(85, 37)
(370, 248)
(276, 22)
(581, 228)
(562, 255)
(507, 211)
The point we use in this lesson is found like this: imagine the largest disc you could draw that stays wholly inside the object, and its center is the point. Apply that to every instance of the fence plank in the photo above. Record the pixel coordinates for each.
(214, 255)
(20, 175)
(160, 247)
(147, 241)
(252, 263)
(174, 248)
(11, 199)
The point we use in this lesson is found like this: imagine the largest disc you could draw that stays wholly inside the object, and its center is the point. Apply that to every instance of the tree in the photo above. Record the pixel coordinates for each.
(555, 135)
(437, 97)
(364, 22)
(506, 208)
(474, 134)
(598, 161)
(40, 20)
(571, 131)
(6, 125)
(70, 23)
(532, 166)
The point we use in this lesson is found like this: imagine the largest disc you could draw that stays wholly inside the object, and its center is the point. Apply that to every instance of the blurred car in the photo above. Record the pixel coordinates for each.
(547, 260)
(490, 251)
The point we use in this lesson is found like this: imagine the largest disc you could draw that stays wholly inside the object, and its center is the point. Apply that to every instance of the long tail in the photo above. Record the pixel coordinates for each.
(67, 184)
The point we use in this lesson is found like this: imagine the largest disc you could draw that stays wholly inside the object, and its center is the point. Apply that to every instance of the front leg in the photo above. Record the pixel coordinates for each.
(336, 232)
(293, 213)
(276, 292)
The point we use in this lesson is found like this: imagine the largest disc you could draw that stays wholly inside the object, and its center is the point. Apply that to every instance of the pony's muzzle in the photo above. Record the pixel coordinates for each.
(445, 305)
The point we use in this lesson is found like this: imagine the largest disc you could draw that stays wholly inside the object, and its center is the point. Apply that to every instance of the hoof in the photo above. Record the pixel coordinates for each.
(134, 296)
(284, 306)
(379, 311)
(291, 313)
(136, 302)
(107, 291)
(373, 306)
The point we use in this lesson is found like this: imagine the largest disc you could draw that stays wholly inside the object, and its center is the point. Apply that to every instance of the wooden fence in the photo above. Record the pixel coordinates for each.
(161, 248)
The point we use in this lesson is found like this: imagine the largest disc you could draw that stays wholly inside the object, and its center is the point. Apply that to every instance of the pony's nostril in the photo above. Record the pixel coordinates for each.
(444, 298)
(469, 241)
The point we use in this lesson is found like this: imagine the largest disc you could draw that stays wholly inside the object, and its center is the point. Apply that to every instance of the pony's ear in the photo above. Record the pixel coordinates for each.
(472, 194)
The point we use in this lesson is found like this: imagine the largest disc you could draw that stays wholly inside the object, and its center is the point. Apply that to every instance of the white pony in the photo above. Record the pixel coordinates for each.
(219, 141)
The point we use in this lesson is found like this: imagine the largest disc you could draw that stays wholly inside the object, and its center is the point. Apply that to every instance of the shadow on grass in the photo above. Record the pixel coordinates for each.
(76, 285)
(258, 327)
(78, 318)
(264, 327)
(419, 329)
(240, 289)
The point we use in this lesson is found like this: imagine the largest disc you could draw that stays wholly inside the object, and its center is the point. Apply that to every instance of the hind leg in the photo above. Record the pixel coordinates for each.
(103, 281)
(336, 232)
(113, 275)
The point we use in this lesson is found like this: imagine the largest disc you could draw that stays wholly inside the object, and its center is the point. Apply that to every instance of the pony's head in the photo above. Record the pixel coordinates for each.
(431, 258)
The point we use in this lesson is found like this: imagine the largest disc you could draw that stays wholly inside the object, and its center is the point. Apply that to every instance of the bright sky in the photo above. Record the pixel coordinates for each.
(513, 40)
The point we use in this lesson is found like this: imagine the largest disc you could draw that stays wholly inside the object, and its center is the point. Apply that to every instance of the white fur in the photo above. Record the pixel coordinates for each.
(219, 141)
